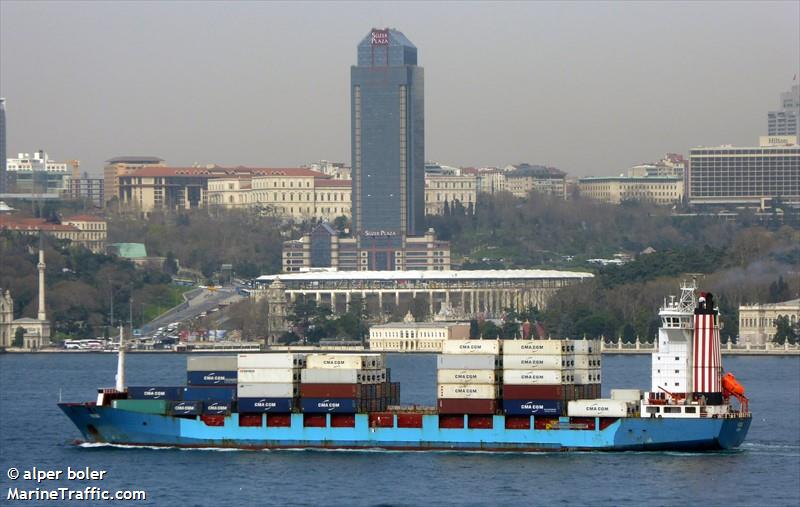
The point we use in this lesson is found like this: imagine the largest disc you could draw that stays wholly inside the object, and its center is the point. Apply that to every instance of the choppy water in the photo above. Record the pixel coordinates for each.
(33, 432)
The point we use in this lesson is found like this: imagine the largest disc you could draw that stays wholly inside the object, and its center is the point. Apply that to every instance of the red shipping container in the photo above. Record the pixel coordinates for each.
(518, 422)
(540, 392)
(279, 420)
(483, 422)
(314, 420)
(213, 420)
(343, 420)
(250, 419)
(409, 420)
(330, 390)
(451, 421)
(466, 406)
(381, 420)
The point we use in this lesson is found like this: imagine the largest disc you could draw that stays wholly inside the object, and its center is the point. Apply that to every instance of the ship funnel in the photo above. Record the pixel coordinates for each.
(706, 358)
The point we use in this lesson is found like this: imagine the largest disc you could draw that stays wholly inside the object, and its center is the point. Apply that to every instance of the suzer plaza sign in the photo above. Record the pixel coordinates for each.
(380, 37)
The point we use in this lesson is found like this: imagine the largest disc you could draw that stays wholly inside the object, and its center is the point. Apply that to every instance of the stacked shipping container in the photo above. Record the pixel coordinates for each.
(541, 376)
(346, 383)
(210, 386)
(468, 377)
(268, 382)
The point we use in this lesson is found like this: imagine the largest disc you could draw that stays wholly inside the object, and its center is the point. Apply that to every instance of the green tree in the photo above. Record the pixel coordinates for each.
(19, 337)
(170, 264)
(785, 332)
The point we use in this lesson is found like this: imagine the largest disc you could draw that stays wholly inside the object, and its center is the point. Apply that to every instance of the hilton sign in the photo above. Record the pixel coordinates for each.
(380, 37)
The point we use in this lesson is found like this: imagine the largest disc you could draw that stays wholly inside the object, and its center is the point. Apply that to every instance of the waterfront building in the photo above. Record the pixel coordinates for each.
(410, 336)
(661, 190)
(120, 166)
(746, 176)
(471, 294)
(785, 120)
(757, 322)
(37, 174)
(84, 230)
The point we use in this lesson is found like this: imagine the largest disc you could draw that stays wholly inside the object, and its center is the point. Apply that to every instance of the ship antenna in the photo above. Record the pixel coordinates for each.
(121, 362)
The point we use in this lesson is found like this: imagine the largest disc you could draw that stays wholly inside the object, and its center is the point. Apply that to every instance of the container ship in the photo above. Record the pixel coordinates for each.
(492, 395)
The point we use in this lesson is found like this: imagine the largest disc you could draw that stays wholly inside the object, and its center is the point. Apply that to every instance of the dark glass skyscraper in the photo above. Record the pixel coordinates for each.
(3, 161)
(388, 145)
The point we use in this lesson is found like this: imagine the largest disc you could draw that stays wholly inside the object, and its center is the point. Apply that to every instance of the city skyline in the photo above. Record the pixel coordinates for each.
(269, 87)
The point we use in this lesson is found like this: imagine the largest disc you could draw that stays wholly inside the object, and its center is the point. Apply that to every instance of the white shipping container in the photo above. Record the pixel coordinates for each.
(471, 347)
(287, 390)
(468, 362)
(291, 360)
(543, 362)
(633, 395)
(469, 391)
(585, 361)
(598, 408)
(535, 377)
(211, 363)
(586, 376)
(531, 347)
(585, 346)
(342, 376)
(467, 376)
(272, 375)
(346, 361)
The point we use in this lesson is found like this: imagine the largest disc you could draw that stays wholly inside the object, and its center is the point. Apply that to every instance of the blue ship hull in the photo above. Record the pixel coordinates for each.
(109, 425)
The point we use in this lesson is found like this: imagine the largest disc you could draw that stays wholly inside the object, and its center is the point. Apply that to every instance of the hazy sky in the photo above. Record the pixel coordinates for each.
(591, 88)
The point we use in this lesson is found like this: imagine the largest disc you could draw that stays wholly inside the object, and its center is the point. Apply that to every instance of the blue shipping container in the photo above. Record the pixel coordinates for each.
(217, 407)
(210, 378)
(532, 407)
(324, 405)
(187, 408)
(209, 393)
(154, 393)
(261, 405)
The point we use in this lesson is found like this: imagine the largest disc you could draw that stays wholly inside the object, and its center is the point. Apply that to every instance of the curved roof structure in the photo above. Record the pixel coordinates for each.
(489, 274)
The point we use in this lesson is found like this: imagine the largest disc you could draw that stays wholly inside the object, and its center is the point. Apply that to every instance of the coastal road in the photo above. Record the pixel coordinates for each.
(197, 301)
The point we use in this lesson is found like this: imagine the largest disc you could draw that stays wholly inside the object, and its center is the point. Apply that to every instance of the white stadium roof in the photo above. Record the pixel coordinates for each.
(486, 274)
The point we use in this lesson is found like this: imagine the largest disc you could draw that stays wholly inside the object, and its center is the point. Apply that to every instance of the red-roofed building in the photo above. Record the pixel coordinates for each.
(85, 230)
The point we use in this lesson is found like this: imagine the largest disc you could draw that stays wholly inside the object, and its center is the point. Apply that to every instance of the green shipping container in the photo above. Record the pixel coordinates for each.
(143, 406)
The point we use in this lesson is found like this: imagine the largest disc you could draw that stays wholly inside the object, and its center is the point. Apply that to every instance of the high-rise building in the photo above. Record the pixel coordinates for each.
(732, 176)
(3, 189)
(388, 146)
(784, 121)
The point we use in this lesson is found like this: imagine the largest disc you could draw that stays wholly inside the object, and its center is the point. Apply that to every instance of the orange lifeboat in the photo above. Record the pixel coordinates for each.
(731, 385)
